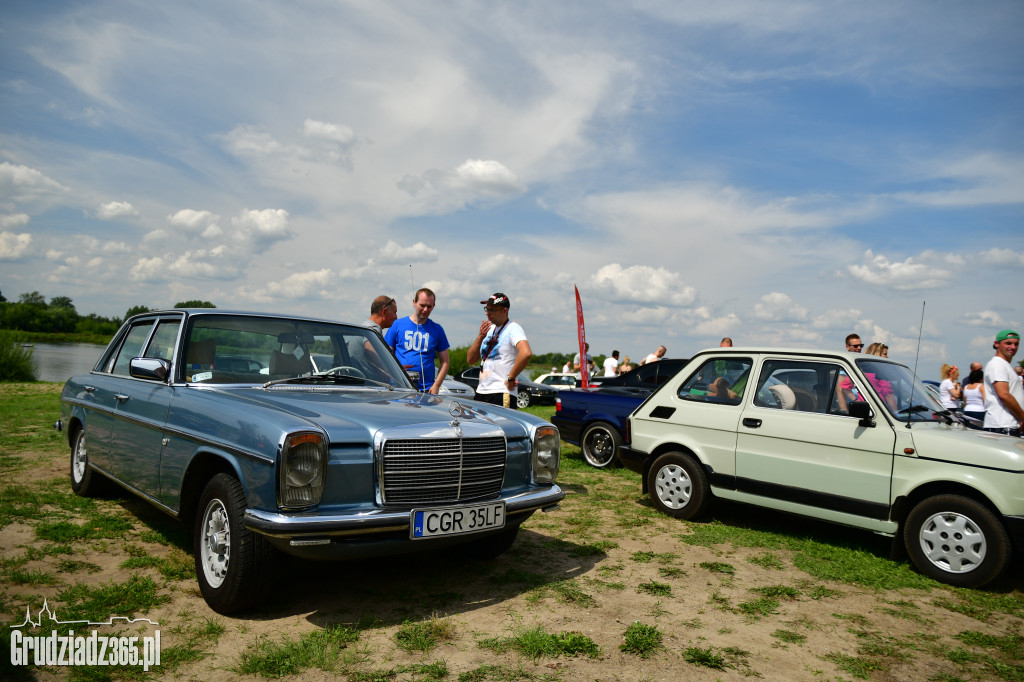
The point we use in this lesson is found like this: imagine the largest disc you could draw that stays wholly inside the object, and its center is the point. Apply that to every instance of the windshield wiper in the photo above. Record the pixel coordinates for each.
(914, 408)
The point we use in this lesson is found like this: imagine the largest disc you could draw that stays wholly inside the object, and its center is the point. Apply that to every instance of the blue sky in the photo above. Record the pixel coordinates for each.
(779, 172)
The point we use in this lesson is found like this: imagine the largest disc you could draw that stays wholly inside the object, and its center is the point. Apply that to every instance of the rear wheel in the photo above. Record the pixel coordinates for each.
(232, 562)
(523, 399)
(84, 481)
(678, 485)
(600, 444)
(956, 540)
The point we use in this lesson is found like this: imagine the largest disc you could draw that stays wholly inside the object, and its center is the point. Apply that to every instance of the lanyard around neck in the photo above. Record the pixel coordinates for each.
(494, 341)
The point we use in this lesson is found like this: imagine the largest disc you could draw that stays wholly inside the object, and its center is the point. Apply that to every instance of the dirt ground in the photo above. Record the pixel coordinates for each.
(902, 635)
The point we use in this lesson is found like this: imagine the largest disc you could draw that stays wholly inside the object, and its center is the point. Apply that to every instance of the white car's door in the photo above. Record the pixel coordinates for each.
(794, 446)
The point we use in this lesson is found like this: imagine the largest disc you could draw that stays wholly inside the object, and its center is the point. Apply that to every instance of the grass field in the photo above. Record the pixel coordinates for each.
(604, 588)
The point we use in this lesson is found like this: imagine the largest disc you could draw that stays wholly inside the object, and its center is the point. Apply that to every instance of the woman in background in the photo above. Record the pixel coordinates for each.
(974, 396)
(625, 365)
(949, 389)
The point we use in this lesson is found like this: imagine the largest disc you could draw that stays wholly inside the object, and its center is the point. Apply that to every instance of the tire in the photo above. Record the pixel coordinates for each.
(84, 481)
(491, 546)
(956, 540)
(600, 444)
(523, 399)
(678, 485)
(232, 562)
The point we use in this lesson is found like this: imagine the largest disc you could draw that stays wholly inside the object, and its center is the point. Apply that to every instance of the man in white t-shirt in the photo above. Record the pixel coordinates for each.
(1004, 394)
(501, 347)
(611, 365)
(655, 356)
(589, 362)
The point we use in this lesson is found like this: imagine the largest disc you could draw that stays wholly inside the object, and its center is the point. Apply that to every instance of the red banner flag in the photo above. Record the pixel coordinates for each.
(584, 366)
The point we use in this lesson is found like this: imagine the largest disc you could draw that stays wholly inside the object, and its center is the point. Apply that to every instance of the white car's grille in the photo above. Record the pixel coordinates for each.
(441, 471)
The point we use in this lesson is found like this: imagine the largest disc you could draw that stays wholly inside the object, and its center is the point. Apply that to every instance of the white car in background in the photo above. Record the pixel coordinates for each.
(451, 387)
(558, 380)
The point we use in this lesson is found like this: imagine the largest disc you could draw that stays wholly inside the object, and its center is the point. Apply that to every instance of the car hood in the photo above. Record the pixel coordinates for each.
(354, 416)
(968, 446)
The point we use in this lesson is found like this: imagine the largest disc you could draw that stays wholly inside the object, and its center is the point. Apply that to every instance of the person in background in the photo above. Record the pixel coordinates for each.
(567, 367)
(611, 365)
(588, 363)
(655, 356)
(949, 389)
(725, 343)
(853, 343)
(625, 365)
(974, 396)
(882, 387)
(879, 349)
(503, 351)
(417, 339)
(1004, 393)
(383, 313)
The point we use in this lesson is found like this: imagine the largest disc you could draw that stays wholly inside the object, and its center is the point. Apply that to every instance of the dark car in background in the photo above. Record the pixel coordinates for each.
(530, 392)
(646, 377)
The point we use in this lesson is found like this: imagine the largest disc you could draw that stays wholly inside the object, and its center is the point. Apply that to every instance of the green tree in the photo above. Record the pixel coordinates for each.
(194, 304)
(61, 302)
(34, 299)
(136, 310)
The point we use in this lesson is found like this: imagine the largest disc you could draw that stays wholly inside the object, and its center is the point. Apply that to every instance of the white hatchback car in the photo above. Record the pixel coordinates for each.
(846, 438)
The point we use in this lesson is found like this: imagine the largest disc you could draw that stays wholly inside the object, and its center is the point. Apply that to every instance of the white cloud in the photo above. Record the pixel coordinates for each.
(14, 246)
(983, 318)
(330, 132)
(156, 235)
(21, 184)
(302, 284)
(837, 319)
(997, 257)
(779, 307)
(641, 284)
(202, 264)
(474, 180)
(148, 270)
(263, 227)
(16, 220)
(202, 223)
(394, 253)
(116, 209)
(929, 271)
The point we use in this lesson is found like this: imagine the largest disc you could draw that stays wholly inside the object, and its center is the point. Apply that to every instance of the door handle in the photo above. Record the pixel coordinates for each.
(752, 423)
(120, 397)
(88, 389)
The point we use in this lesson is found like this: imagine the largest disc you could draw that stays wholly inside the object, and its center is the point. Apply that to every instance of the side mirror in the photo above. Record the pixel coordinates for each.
(862, 411)
(156, 369)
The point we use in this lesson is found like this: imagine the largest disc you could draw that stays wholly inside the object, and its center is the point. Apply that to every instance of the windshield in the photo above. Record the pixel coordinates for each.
(241, 349)
(903, 396)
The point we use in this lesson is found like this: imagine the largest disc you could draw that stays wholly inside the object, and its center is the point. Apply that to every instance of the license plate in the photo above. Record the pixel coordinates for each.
(430, 523)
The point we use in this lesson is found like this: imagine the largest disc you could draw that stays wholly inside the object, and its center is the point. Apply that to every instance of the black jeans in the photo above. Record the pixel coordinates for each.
(497, 399)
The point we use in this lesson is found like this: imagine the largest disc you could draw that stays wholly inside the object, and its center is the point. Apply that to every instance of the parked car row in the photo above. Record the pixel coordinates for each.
(530, 392)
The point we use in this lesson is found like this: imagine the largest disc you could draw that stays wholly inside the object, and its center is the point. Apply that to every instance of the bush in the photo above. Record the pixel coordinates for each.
(15, 360)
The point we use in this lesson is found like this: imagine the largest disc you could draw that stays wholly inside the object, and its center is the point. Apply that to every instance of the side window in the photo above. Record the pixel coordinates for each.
(720, 381)
(132, 346)
(162, 344)
(846, 391)
(796, 385)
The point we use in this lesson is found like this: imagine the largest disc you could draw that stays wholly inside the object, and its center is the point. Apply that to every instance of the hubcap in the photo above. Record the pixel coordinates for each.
(80, 459)
(599, 447)
(216, 543)
(673, 486)
(953, 542)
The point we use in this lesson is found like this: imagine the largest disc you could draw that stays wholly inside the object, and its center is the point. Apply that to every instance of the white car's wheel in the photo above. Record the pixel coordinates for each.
(956, 540)
(678, 485)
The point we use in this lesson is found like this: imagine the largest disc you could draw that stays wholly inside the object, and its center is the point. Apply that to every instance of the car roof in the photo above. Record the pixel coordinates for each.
(246, 313)
(766, 350)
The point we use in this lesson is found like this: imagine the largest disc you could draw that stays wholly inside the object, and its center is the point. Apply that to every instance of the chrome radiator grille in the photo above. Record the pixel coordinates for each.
(426, 472)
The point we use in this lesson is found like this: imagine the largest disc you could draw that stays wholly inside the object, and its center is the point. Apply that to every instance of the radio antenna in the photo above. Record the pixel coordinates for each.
(917, 356)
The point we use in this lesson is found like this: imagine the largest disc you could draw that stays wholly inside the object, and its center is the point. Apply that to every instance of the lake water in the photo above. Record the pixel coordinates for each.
(58, 361)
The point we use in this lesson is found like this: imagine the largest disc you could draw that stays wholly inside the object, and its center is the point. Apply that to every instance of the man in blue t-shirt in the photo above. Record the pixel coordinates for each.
(417, 339)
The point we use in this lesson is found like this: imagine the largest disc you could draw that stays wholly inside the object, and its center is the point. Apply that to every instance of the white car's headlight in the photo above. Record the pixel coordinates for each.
(302, 471)
(547, 448)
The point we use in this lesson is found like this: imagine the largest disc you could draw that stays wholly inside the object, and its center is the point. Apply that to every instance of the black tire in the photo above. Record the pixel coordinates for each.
(232, 562)
(84, 481)
(678, 485)
(600, 445)
(491, 546)
(523, 399)
(956, 540)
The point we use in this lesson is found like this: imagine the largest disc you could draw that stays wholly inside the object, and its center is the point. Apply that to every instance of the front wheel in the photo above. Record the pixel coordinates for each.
(956, 540)
(232, 562)
(678, 485)
(523, 399)
(600, 444)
